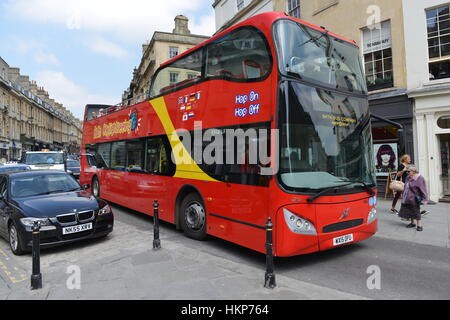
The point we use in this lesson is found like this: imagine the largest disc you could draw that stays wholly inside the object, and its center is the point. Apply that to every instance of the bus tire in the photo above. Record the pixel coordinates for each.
(193, 217)
(96, 187)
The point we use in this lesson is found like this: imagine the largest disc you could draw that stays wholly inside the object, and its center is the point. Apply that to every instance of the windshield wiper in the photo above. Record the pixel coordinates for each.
(364, 184)
(321, 193)
(314, 39)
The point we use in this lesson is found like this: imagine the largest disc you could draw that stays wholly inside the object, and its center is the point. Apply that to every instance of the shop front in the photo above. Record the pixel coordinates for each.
(15, 150)
(432, 125)
(4, 147)
(27, 143)
(389, 141)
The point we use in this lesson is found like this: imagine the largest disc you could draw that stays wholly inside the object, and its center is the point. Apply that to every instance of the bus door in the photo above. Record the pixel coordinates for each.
(149, 170)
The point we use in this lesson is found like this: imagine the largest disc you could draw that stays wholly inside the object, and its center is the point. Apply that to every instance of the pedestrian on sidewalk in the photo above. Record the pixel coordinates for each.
(414, 195)
(405, 161)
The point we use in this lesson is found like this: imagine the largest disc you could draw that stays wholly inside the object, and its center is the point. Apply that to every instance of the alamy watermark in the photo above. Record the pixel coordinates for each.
(251, 146)
(374, 280)
(74, 280)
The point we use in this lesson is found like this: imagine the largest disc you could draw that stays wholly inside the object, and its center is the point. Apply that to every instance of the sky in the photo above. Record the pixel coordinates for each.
(84, 51)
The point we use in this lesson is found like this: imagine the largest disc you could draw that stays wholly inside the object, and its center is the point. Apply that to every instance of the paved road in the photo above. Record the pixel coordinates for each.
(408, 270)
(124, 266)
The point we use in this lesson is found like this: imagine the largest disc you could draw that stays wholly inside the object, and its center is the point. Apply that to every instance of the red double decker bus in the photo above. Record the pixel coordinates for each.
(294, 90)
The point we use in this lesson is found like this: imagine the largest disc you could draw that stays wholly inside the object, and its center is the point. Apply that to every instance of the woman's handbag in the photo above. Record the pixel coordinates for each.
(397, 185)
(418, 200)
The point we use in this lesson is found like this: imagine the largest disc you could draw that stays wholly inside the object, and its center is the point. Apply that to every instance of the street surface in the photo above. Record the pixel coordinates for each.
(411, 264)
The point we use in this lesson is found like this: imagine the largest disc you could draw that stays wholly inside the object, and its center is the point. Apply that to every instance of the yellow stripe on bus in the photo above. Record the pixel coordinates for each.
(186, 166)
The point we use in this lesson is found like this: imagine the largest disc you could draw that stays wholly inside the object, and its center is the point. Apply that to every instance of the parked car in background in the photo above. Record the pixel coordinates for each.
(10, 167)
(45, 160)
(73, 167)
(54, 199)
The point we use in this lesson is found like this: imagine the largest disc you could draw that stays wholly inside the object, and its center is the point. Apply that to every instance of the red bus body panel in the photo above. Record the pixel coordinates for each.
(249, 205)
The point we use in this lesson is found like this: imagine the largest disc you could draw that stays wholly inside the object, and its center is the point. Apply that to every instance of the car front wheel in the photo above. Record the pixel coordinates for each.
(15, 240)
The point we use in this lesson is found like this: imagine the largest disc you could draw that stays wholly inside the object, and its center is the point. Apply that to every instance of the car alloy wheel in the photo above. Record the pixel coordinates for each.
(14, 240)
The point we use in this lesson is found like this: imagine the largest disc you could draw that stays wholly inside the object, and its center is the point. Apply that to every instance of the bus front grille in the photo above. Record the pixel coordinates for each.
(342, 225)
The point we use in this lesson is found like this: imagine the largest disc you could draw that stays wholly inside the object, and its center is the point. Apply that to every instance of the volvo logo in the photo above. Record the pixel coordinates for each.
(345, 214)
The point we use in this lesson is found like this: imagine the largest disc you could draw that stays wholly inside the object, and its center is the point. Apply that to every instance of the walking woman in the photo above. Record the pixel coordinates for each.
(405, 161)
(414, 195)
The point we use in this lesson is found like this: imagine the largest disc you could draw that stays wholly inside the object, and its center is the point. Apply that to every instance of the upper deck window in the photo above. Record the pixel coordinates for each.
(242, 55)
(179, 73)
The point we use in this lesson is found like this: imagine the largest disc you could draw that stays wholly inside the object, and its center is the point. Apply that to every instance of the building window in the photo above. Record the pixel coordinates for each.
(173, 77)
(173, 52)
(438, 25)
(378, 57)
(240, 4)
(294, 8)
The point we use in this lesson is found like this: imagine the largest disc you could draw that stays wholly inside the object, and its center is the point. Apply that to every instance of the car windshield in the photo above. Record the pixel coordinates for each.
(318, 57)
(44, 158)
(73, 163)
(325, 139)
(35, 185)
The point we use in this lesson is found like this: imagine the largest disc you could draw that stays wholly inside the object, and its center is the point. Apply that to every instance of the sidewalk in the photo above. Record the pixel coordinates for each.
(132, 270)
(436, 225)
(124, 266)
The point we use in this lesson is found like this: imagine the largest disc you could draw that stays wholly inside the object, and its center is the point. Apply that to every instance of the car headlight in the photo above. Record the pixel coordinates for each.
(372, 215)
(105, 210)
(298, 225)
(29, 222)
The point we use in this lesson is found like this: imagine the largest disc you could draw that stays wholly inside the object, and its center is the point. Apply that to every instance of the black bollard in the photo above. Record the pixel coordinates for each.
(270, 275)
(36, 276)
(156, 241)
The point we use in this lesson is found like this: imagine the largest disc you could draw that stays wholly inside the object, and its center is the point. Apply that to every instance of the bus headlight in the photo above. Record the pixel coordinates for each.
(298, 225)
(372, 215)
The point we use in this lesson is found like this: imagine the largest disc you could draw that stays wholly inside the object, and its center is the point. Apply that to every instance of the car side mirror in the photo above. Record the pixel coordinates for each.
(86, 186)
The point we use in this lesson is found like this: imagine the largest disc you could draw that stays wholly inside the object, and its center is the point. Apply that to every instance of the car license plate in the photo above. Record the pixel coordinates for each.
(78, 228)
(343, 239)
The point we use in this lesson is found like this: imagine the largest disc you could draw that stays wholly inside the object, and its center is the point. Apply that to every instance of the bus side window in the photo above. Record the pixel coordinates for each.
(159, 160)
(118, 156)
(135, 156)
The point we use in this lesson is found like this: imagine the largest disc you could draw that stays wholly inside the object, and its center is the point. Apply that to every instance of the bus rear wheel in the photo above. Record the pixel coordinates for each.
(193, 217)
(96, 187)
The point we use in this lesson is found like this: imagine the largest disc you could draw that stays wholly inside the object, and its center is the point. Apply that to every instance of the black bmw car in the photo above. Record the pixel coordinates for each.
(64, 210)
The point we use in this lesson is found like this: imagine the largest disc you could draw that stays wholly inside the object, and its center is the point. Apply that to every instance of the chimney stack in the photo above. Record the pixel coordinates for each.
(181, 25)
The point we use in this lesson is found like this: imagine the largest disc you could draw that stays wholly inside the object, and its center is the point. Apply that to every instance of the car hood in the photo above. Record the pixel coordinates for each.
(59, 203)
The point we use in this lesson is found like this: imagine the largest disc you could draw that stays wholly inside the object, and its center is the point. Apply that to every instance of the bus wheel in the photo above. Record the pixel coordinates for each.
(193, 217)
(95, 187)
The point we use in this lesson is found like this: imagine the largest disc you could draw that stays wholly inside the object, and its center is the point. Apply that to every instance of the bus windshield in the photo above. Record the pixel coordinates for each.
(318, 57)
(325, 139)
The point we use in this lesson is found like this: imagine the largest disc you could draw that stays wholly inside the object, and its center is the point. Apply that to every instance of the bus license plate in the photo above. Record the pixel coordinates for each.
(79, 228)
(344, 239)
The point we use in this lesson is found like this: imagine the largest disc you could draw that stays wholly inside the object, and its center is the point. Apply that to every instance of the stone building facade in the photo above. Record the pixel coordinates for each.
(162, 47)
(30, 119)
